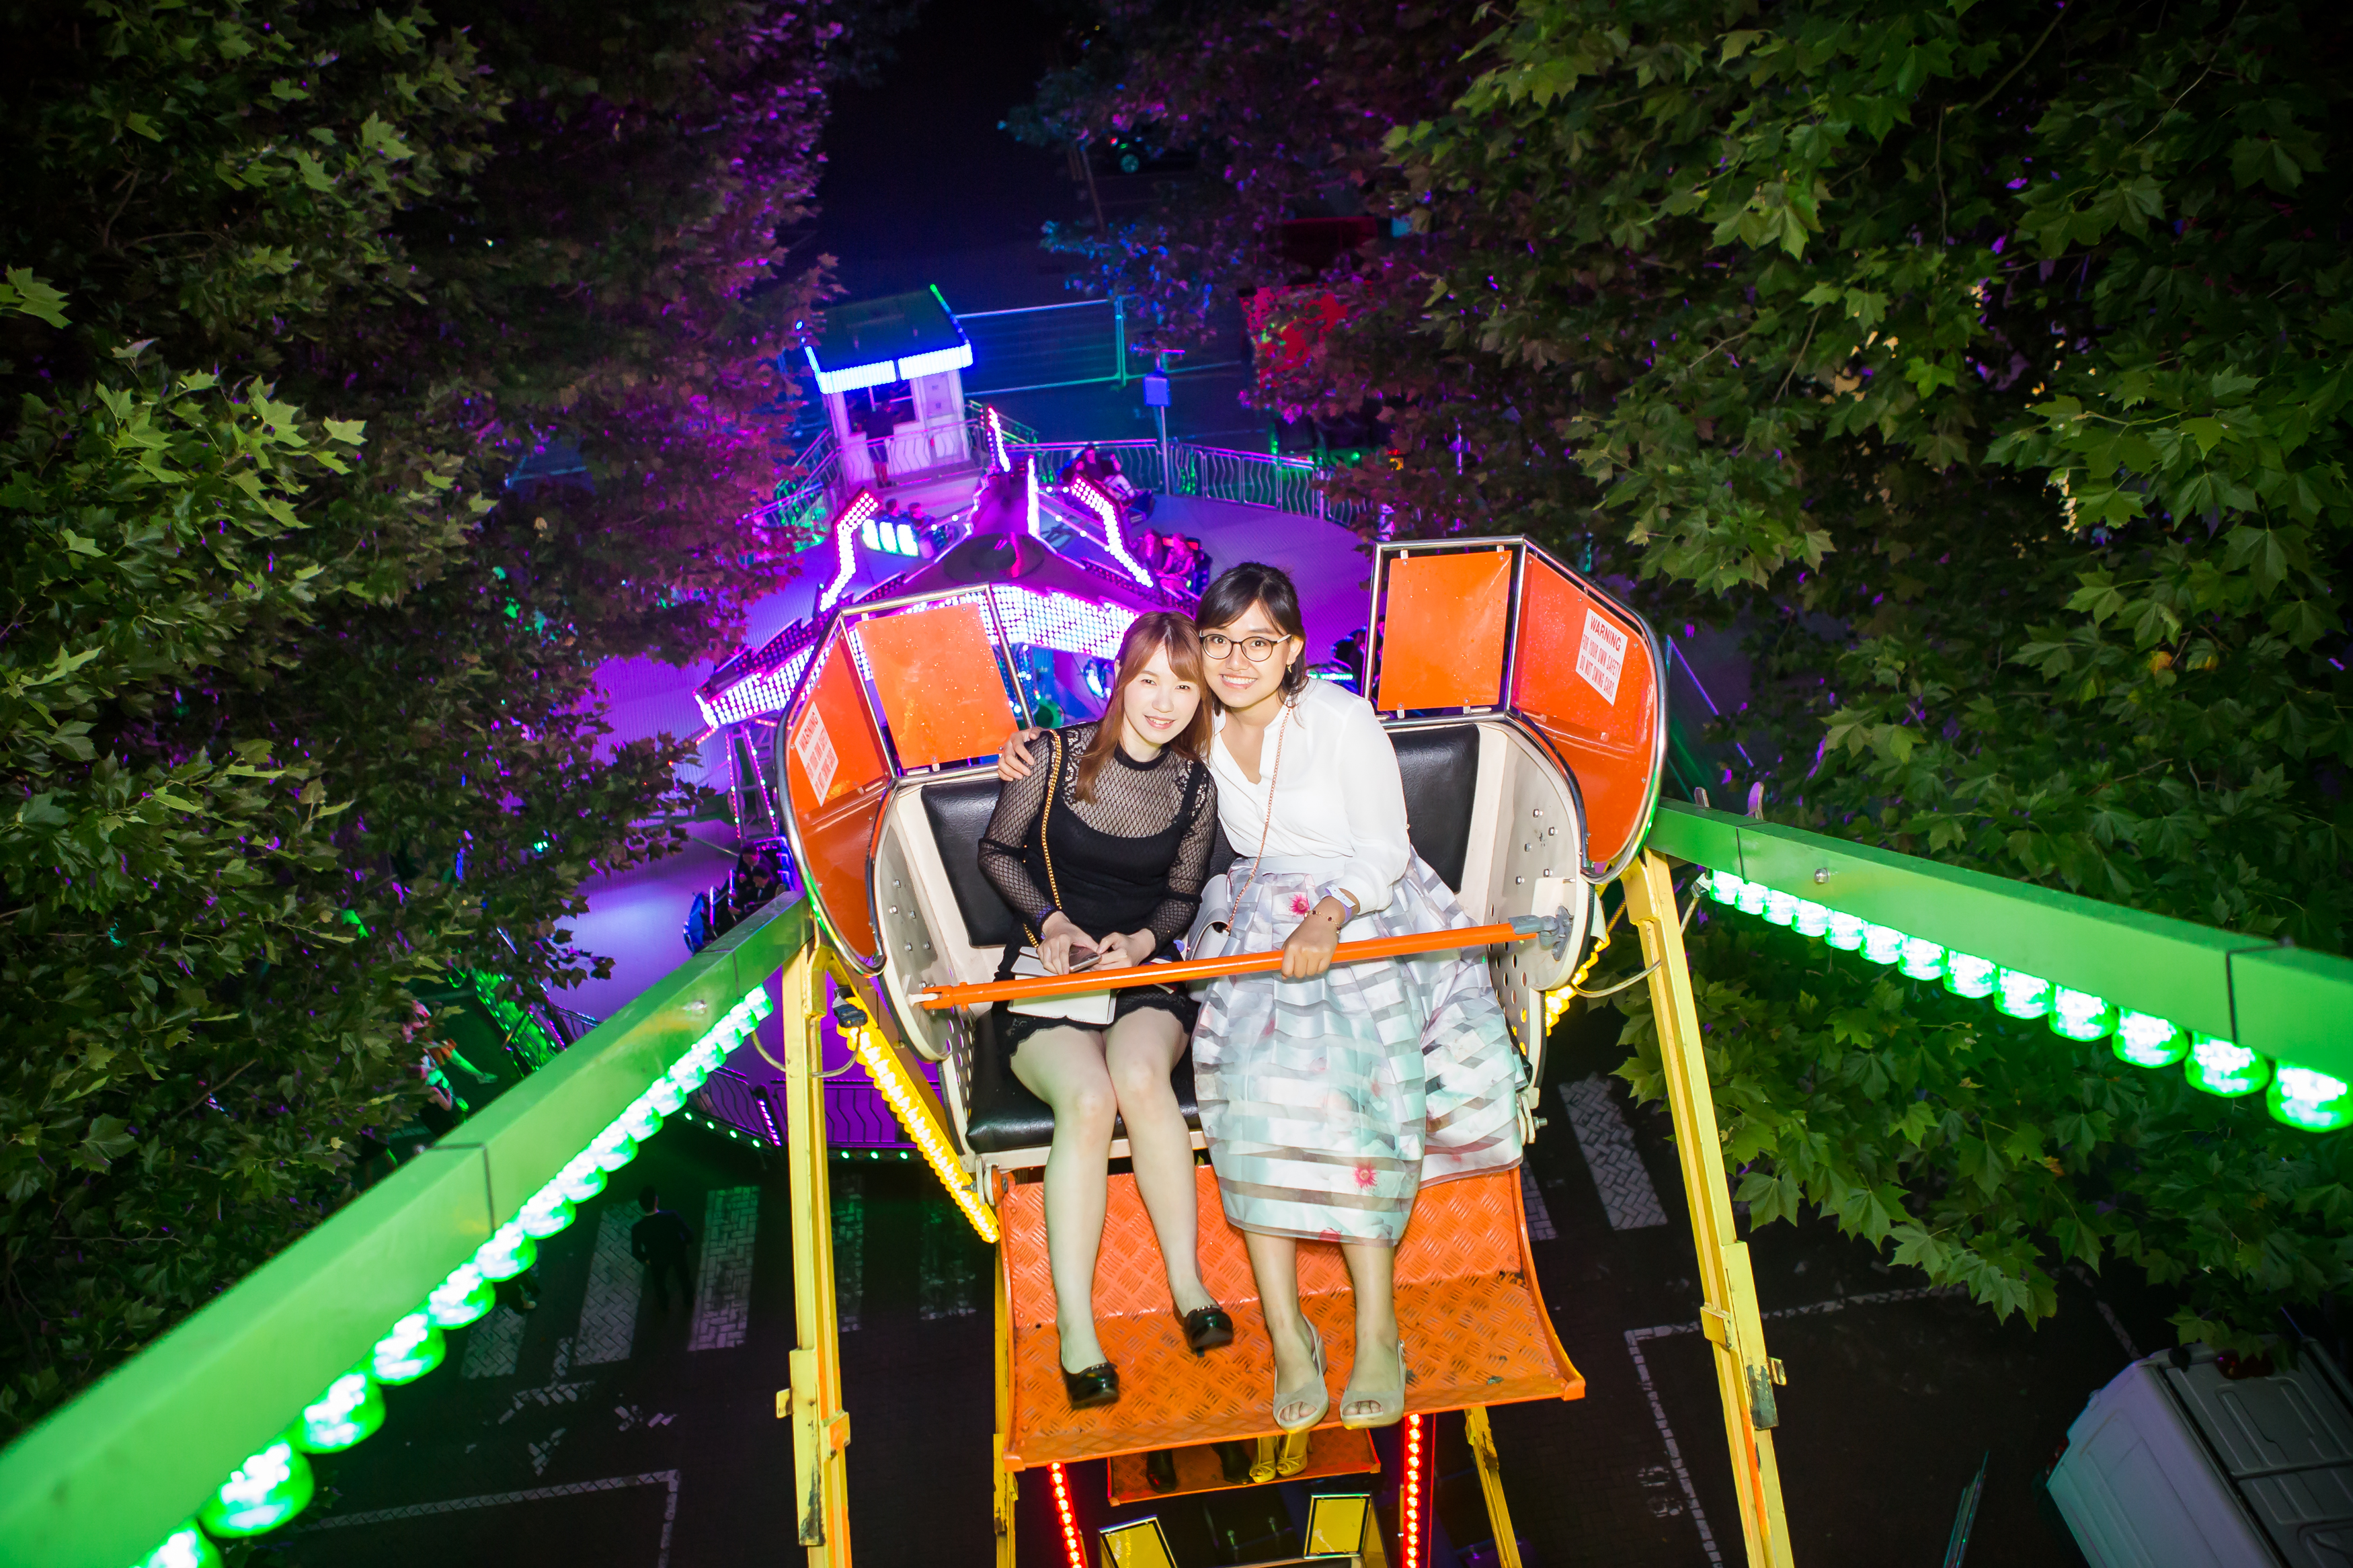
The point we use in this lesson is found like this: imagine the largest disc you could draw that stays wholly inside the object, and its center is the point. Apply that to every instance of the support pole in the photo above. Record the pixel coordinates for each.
(1491, 1482)
(1744, 1374)
(820, 1425)
(1004, 1485)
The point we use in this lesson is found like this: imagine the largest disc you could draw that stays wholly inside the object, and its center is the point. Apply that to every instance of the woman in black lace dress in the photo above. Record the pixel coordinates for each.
(1114, 880)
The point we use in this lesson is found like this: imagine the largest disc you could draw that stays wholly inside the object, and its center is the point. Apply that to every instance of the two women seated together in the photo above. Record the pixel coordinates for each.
(1328, 1094)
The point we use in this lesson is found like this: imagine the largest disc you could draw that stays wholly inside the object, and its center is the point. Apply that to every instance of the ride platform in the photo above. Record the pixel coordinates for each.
(1472, 1318)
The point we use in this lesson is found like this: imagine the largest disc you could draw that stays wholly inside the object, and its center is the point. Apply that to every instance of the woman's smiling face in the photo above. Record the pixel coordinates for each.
(1237, 680)
(1156, 705)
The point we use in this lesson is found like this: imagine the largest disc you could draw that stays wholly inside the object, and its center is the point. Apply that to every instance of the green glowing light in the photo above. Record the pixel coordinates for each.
(507, 1254)
(1882, 944)
(2220, 1066)
(1968, 977)
(1813, 919)
(613, 1148)
(1845, 932)
(259, 1495)
(1723, 887)
(666, 1096)
(548, 1212)
(186, 1547)
(1750, 899)
(2022, 995)
(350, 1410)
(2144, 1041)
(581, 1180)
(2079, 1015)
(2313, 1102)
(1923, 959)
(413, 1347)
(457, 1301)
(1780, 909)
(641, 1121)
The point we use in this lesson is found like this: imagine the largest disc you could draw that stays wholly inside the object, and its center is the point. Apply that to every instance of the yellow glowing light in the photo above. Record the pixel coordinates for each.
(884, 1068)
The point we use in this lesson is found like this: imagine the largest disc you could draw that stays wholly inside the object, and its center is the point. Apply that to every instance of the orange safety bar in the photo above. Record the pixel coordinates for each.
(1237, 963)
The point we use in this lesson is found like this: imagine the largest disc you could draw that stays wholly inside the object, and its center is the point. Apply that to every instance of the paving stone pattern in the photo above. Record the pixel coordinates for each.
(848, 1246)
(1540, 1226)
(608, 1314)
(722, 1291)
(494, 1345)
(948, 1282)
(1608, 1144)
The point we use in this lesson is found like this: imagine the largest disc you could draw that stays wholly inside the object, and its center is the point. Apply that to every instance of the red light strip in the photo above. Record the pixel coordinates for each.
(1409, 1497)
(1077, 1553)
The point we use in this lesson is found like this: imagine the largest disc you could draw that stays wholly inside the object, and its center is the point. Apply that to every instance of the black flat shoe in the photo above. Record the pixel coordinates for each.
(1160, 1470)
(1208, 1329)
(1236, 1459)
(1097, 1387)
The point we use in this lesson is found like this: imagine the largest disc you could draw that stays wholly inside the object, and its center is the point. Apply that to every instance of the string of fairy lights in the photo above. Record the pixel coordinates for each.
(2299, 1097)
(276, 1484)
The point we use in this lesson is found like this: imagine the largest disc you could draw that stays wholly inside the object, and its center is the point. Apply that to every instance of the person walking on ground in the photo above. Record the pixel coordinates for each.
(660, 1241)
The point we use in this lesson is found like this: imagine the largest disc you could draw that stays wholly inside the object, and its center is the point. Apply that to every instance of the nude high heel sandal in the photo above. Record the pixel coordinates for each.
(1387, 1410)
(1317, 1394)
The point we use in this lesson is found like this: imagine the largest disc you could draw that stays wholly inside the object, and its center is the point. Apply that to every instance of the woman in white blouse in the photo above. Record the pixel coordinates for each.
(1329, 1095)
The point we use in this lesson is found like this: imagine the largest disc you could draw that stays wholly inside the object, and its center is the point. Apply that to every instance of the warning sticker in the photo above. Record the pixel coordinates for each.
(815, 749)
(1602, 656)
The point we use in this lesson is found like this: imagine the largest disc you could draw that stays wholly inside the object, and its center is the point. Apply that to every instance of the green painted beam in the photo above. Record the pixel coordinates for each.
(103, 1479)
(2291, 1004)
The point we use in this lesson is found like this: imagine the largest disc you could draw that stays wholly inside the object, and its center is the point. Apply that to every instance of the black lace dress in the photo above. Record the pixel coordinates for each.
(1133, 856)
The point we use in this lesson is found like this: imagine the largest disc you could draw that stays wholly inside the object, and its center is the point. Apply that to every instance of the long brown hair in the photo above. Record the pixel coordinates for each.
(1146, 636)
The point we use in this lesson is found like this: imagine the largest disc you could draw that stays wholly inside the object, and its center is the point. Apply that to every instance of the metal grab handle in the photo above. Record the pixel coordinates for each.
(1554, 931)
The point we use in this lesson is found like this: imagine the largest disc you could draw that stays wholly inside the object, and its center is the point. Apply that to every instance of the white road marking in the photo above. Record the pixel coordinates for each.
(608, 1313)
(557, 1391)
(1608, 1145)
(497, 1500)
(722, 1291)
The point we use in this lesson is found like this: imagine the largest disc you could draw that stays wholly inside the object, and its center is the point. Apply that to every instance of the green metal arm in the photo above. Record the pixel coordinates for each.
(103, 1481)
(2285, 1002)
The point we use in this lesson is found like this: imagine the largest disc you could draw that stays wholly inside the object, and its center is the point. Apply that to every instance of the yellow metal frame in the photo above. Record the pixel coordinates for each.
(813, 1402)
(1745, 1375)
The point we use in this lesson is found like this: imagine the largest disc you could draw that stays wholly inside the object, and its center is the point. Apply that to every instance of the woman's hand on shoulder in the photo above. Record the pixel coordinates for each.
(1013, 762)
(1308, 952)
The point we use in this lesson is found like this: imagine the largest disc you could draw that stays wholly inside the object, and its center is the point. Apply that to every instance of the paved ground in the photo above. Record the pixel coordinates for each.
(608, 1429)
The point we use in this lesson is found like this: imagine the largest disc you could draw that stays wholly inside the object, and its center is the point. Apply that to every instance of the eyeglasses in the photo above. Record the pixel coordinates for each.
(1258, 650)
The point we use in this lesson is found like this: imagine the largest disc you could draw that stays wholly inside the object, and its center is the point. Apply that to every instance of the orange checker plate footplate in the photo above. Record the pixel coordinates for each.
(1474, 1322)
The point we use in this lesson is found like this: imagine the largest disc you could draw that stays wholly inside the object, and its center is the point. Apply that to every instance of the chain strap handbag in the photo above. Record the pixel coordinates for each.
(1092, 1008)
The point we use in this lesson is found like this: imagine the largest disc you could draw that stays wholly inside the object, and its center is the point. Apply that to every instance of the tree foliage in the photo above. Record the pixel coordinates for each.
(300, 707)
(1983, 364)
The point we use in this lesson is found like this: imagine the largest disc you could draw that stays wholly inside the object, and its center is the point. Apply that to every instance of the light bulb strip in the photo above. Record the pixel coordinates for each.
(1073, 1548)
(1107, 512)
(2300, 1098)
(275, 1484)
(889, 1076)
(1410, 1506)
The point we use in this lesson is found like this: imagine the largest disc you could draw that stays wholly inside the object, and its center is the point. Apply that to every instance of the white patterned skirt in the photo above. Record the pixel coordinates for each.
(1328, 1103)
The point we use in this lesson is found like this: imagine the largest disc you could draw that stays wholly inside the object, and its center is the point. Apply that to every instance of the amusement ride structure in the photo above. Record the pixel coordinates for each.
(1526, 707)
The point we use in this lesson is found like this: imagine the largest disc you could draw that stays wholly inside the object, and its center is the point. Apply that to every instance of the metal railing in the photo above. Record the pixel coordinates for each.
(1213, 473)
(797, 516)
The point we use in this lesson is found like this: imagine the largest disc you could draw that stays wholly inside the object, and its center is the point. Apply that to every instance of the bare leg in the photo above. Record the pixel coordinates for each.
(1140, 1050)
(1064, 1067)
(1372, 1270)
(1274, 1264)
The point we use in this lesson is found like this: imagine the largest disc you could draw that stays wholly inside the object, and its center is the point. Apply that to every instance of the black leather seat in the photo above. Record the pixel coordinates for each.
(1440, 768)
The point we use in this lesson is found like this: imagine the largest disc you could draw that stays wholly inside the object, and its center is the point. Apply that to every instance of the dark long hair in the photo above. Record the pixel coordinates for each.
(1255, 582)
(1146, 636)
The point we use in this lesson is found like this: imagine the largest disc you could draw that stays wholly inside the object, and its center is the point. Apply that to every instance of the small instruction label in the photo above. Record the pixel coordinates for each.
(1602, 656)
(815, 749)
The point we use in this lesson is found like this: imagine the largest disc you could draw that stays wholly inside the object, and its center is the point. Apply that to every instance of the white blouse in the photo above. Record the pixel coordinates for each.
(1338, 795)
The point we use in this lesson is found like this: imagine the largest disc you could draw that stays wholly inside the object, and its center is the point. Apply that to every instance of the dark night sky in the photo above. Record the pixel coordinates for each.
(922, 187)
